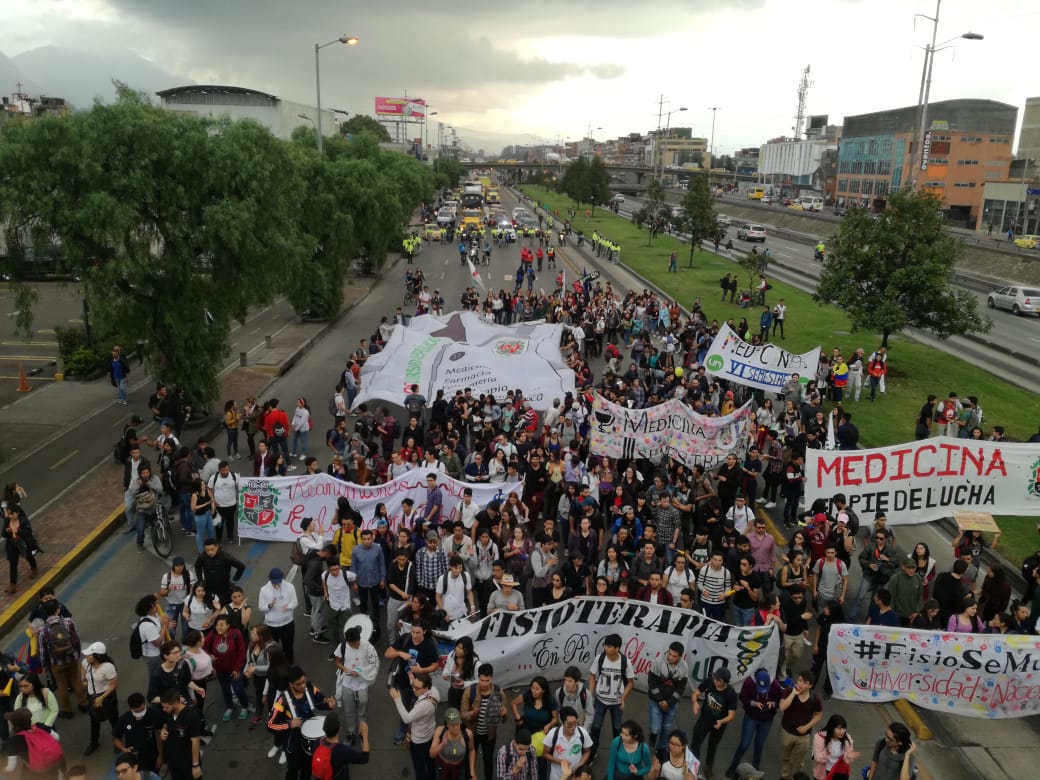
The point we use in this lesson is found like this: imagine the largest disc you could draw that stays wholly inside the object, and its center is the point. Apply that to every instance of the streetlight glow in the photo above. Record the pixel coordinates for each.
(349, 40)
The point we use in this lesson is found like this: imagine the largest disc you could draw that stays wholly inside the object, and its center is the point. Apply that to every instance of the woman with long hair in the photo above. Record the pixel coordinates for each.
(258, 661)
(38, 699)
(925, 567)
(460, 670)
(967, 621)
(175, 586)
(231, 423)
(629, 755)
(535, 709)
(995, 594)
(613, 567)
(202, 507)
(676, 763)
(893, 754)
(300, 426)
(832, 750)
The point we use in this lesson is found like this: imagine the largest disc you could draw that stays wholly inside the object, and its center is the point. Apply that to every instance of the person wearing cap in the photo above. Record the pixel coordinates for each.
(760, 697)
(357, 664)
(802, 709)
(277, 601)
(517, 760)
(714, 706)
(453, 749)
(101, 682)
(906, 590)
(507, 597)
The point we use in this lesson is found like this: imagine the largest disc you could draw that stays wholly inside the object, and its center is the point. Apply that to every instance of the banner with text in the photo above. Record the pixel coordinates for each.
(766, 367)
(979, 675)
(549, 639)
(412, 108)
(458, 351)
(671, 429)
(926, 480)
(271, 508)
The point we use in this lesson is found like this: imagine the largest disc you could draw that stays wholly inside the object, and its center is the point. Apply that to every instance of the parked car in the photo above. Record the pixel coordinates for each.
(749, 232)
(840, 211)
(619, 198)
(1018, 300)
(1028, 242)
(723, 220)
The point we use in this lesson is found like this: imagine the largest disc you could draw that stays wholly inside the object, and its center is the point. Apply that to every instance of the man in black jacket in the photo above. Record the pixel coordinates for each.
(213, 569)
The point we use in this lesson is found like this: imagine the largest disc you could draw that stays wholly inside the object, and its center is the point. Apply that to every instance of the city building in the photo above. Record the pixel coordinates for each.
(792, 165)
(1029, 137)
(746, 160)
(280, 116)
(968, 143)
(1013, 204)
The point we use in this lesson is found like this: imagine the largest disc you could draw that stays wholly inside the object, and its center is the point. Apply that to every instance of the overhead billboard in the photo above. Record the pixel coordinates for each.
(409, 108)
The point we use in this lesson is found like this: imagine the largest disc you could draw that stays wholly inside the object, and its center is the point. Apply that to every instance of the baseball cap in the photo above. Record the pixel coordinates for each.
(276, 575)
(178, 561)
(763, 680)
(452, 716)
(910, 562)
(626, 509)
(819, 517)
(96, 648)
(432, 536)
(746, 771)
(723, 674)
(843, 517)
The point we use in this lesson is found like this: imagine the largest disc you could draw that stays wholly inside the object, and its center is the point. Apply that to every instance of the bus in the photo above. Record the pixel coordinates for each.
(811, 202)
(755, 193)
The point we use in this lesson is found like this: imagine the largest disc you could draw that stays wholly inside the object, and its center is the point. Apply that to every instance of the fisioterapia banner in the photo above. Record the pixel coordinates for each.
(926, 480)
(766, 367)
(549, 639)
(671, 429)
(979, 675)
(271, 508)
(459, 351)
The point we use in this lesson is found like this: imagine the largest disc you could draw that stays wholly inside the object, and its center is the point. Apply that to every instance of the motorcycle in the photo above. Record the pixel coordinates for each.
(817, 255)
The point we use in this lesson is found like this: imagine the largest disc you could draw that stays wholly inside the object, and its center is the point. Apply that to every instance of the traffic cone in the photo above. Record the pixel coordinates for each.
(23, 382)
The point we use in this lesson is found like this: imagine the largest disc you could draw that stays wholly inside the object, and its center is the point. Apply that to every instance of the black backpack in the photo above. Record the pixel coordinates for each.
(136, 643)
(59, 640)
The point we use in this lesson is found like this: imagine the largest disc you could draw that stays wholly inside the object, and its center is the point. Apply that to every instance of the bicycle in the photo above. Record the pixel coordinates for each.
(162, 538)
(409, 298)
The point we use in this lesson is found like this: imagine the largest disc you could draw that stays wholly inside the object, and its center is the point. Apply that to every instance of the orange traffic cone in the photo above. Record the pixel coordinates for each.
(23, 382)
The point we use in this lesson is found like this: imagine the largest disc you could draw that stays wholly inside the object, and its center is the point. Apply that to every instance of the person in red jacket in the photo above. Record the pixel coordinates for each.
(276, 426)
(654, 592)
(227, 648)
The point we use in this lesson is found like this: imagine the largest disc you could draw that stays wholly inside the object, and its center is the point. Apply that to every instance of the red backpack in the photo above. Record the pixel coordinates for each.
(44, 750)
(321, 761)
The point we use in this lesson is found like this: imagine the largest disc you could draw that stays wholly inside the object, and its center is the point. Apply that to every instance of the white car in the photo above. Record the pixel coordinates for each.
(748, 232)
(619, 198)
(507, 229)
(723, 220)
(1018, 300)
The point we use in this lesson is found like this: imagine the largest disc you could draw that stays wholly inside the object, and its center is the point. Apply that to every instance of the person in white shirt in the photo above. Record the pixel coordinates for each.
(151, 624)
(741, 515)
(455, 592)
(398, 468)
(468, 510)
(224, 487)
(458, 543)
(567, 742)
(336, 585)
(278, 602)
(300, 426)
(357, 664)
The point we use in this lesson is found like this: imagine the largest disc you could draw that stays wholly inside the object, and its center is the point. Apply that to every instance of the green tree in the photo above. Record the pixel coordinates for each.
(654, 214)
(574, 182)
(892, 272)
(696, 217)
(25, 297)
(449, 171)
(360, 123)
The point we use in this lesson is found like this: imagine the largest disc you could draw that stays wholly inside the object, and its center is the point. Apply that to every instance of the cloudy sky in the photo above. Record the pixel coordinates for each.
(501, 72)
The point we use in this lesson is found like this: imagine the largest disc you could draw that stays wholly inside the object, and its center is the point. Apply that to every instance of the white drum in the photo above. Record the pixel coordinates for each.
(363, 622)
(311, 733)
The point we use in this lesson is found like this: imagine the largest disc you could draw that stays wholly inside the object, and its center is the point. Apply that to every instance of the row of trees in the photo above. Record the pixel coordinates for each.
(177, 225)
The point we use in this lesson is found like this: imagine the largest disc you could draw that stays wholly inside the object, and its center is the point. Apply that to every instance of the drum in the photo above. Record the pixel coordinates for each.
(363, 622)
(311, 733)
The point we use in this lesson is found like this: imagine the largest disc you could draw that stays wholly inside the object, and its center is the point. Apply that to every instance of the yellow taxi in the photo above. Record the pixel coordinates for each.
(1028, 242)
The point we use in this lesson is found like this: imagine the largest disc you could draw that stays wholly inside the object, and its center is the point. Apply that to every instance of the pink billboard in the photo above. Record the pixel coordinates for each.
(411, 108)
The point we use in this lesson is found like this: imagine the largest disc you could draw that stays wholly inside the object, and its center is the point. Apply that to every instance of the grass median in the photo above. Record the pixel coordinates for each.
(915, 370)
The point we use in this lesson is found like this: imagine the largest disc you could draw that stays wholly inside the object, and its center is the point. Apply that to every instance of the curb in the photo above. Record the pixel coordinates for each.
(913, 720)
(12, 615)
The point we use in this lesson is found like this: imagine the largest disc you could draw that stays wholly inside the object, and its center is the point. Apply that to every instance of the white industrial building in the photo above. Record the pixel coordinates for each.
(280, 116)
(793, 162)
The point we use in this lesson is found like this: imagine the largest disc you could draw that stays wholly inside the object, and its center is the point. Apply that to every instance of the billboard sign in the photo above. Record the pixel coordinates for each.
(409, 108)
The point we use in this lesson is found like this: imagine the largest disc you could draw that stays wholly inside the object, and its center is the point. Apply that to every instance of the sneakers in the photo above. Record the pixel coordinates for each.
(253, 723)
(226, 716)
(243, 713)
(761, 500)
(273, 752)
(321, 640)
(281, 759)
(140, 549)
(770, 505)
(303, 457)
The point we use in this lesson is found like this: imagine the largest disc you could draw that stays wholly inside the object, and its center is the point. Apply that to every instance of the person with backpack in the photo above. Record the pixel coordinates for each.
(566, 742)
(32, 747)
(610, 680)
(146, 637)
(59, 654)
(454, 591)
(276, 428)
(143, 495)
(102, 682)
(174, 586)
(666, 686)
(332, 758)
(484, 719)
(224, 487)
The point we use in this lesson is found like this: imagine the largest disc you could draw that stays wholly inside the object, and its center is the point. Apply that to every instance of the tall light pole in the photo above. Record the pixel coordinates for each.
(426, 131)
(711, 146)
(350, 40)
(918, 163)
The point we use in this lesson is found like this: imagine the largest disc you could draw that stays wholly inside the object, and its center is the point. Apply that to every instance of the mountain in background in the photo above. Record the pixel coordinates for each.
(80, 76)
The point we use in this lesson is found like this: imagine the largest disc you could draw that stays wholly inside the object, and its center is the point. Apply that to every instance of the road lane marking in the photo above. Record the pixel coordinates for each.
(70, 455)
(254, 331)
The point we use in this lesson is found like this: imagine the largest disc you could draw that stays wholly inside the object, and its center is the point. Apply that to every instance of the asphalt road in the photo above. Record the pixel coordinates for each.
(793, 263)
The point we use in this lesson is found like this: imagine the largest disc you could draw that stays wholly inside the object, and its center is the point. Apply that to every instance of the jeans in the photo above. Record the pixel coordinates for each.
(299, 442)
(226, 524)
(186, 515)
(232, 442)
(742, 617)
(599, 714)
(875, 383)
(285, 636)
(714, 611)
(778, 323)
(203, 529)
(232, 688)
(369, 597)
(121, 388)
(280, 444)
(142, 521)
(661, 723)
(705, 727)
(791, 506)
(864, 593)
(751, 731)
(485, 743)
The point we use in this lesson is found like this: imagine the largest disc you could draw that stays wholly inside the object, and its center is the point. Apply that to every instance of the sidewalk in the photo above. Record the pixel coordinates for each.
(80, 517)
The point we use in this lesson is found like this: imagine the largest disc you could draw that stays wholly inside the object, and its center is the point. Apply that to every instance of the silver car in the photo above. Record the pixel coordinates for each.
(1018, 300)
(749, 232)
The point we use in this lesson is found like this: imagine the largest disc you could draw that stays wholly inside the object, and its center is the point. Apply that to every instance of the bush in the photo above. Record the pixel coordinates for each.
(84, 362)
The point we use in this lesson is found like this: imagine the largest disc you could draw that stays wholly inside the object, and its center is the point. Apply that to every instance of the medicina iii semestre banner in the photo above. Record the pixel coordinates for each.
(271, 508)
(766, 367)
(979, 675)
(926, 480)
(671, 429)
(549, 639)
(458, 351)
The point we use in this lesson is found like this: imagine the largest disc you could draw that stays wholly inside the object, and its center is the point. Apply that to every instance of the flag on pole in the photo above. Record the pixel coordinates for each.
(475, 274)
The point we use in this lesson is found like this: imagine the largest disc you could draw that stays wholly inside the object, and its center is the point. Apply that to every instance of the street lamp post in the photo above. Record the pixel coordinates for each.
(350, 40)
(918, 163)
(711, 146)
(426, 132)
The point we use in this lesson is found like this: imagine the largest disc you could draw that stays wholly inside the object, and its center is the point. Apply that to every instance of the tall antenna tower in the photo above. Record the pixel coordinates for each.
(803, 92)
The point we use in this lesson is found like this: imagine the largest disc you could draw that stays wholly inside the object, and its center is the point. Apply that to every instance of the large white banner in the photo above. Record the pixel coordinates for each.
(926, 480)
(671, 429)
(271, 508)
(459, 350)
(766, 367)
(979, 675)
(549, 639)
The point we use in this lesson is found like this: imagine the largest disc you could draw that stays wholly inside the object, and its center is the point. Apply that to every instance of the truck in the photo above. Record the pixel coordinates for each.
(492, 196)
(472, 219)
(485, 184)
